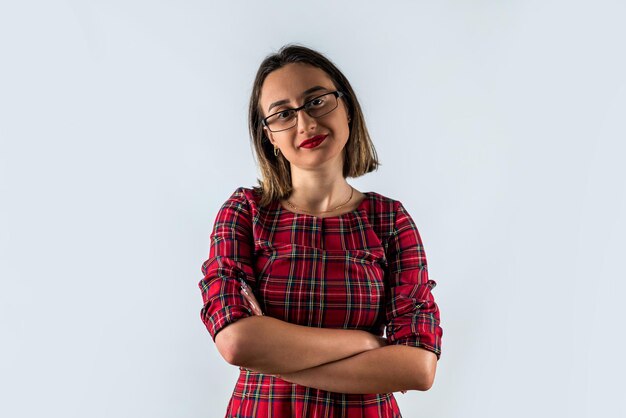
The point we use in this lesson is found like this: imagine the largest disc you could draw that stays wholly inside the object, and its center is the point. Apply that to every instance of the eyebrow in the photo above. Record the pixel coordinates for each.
(284, 101)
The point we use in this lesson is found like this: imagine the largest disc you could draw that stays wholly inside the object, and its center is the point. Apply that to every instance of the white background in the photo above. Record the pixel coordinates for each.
(500, 126)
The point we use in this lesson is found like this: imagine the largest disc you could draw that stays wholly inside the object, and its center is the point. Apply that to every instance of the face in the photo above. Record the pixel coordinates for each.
(289, 84)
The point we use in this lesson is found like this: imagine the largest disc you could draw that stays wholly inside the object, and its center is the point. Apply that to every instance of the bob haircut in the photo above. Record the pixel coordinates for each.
(360, 156)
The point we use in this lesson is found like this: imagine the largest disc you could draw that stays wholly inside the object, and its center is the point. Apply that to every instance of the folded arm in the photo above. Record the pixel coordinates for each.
(269, 345)
(384, 370)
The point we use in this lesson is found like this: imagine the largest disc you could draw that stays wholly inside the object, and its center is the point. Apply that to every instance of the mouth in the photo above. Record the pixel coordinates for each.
(313, 142)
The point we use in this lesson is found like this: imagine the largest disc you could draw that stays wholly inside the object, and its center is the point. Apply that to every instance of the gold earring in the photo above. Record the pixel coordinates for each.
(276, 151)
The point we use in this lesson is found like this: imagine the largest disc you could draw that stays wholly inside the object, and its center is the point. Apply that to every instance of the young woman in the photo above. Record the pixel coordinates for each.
(305, 272)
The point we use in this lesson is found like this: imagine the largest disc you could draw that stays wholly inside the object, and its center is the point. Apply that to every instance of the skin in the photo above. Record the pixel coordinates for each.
(316, 173)
(345, 361)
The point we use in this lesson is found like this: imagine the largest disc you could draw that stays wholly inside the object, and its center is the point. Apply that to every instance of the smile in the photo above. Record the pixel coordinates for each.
(313, 142)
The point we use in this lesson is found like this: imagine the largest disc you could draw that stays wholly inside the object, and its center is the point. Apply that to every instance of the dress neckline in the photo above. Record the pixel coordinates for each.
(359, 208)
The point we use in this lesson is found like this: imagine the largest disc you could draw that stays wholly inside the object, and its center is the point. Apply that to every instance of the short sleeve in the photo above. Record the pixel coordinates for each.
(411, 312)
(229, 261)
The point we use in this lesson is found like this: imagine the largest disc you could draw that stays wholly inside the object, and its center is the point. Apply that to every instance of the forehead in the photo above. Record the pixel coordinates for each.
(289, 81)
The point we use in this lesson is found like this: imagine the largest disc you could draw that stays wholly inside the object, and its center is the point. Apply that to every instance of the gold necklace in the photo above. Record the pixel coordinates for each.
(326, 211)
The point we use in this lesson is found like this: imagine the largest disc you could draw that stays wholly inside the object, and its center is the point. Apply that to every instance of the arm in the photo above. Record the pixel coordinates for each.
(410, 361)
(269, 345)
(384, 370)
(263, 343)
(412, 315)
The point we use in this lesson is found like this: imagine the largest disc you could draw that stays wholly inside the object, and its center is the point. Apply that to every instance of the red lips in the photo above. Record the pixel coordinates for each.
(316, 138)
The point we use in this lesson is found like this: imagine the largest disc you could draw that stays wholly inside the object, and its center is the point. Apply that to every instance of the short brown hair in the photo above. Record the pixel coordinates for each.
(359, 153)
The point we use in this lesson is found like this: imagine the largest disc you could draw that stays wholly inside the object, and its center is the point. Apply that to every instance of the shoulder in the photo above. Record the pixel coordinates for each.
(243, 195)
(382, 213)
(384, 205)
(391, 215)
(242, 199)
(379, 197)
(238, 208)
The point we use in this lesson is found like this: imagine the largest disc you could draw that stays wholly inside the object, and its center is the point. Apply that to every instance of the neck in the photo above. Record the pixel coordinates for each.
(316, 195)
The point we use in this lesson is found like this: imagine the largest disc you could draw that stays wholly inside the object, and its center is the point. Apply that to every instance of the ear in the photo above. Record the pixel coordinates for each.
(269, 136)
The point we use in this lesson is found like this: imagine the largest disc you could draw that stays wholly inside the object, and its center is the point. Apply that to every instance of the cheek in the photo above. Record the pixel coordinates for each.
(344, 131)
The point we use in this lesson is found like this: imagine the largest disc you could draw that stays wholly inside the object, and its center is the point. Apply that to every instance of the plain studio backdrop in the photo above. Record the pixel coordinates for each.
(123, 125)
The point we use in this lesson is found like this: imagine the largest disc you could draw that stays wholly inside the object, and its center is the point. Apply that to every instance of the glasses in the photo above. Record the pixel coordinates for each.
(316, 107)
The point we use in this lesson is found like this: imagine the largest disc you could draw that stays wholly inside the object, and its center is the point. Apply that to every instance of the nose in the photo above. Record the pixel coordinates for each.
(305, 122)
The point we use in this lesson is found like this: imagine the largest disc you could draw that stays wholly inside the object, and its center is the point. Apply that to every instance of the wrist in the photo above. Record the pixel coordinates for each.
(372, 342)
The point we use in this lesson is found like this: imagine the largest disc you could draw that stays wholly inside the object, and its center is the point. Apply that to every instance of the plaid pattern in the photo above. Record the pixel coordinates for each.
(365, 269)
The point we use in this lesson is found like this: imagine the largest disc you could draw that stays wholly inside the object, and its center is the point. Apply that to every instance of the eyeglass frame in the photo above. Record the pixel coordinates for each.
(336, 93)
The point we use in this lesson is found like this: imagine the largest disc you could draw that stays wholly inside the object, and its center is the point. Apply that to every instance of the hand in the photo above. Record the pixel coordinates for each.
(374, 341)
(381, 341)
(250, 299)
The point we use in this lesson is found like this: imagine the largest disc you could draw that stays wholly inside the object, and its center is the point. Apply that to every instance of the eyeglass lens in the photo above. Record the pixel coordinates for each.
(315, 108)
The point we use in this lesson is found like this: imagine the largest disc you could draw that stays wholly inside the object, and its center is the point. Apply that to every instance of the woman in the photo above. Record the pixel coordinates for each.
(305, 272)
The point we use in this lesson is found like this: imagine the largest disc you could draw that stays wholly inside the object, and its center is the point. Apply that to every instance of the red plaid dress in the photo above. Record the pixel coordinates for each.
(364, 269)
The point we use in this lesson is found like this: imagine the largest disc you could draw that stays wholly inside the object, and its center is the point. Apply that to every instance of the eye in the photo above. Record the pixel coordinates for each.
(317, 102)
(285, 114)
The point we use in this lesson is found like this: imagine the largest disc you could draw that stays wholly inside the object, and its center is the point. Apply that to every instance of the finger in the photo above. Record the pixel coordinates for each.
(255, 308)
(250, 298)
(246, 297)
